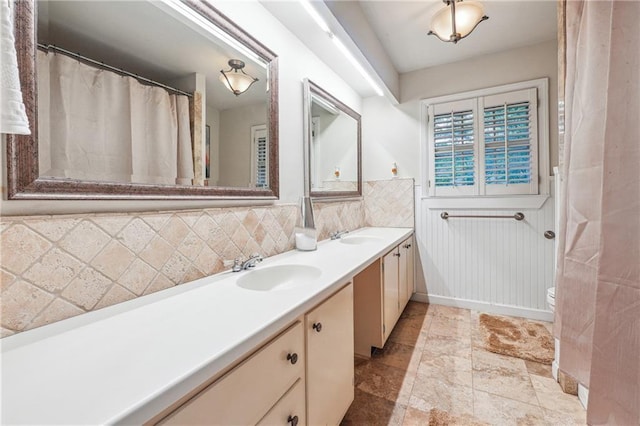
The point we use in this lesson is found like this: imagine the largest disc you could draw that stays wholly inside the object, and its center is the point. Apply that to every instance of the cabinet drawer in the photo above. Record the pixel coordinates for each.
(289, 411)
(246, 393)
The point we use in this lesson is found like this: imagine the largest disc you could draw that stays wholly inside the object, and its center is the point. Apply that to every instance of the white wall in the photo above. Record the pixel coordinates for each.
(336, 146)
(494, 265)
(296, 62)
(392, 133)
(213, 121)
(235, 143)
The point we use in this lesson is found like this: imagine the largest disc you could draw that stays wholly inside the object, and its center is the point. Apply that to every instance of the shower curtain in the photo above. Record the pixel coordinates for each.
(598, 281)
(97, 125)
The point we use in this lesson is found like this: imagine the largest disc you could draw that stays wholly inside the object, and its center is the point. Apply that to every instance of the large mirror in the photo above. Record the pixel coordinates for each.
(160, 99)
(332, 145)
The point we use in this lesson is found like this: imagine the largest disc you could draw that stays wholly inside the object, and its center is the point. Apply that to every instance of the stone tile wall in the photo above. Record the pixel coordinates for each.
(389, 202)
(56, 267)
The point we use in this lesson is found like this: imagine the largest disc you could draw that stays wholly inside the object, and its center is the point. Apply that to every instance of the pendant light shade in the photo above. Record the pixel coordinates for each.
(235, 79)
(457, 20)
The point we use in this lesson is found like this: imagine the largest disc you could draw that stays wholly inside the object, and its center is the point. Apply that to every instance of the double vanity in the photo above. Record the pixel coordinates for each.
(270, 345)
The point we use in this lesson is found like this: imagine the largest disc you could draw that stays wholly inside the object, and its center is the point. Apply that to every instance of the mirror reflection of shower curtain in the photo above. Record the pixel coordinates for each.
(97, 125)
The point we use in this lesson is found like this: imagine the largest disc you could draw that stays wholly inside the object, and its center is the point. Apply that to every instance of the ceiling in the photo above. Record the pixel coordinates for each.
(397, 30)
(402, 27)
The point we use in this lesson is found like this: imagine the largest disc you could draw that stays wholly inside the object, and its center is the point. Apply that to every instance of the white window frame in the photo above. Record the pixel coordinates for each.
(256, 133)
(494, 198)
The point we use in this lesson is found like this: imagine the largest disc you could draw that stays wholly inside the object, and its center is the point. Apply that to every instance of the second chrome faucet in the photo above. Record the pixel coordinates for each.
(337, 235)
(240, 265)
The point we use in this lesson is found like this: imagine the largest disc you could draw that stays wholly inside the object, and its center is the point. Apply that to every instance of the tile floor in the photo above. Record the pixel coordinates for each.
(433, 372)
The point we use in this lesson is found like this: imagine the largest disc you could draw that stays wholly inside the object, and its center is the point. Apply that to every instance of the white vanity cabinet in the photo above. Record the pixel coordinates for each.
(329, 332)
(273, 387)
(381, 292)
(248, 392)
(405, 271)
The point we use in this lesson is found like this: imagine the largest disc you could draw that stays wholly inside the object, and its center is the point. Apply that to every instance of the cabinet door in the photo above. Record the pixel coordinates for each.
(329, 330)
(247, 392)
(290, 410)
(405, 272)
(391, 291)
(409, 246)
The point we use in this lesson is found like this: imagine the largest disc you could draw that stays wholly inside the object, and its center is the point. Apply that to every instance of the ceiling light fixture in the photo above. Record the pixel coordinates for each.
(457, 20)
(235, 79)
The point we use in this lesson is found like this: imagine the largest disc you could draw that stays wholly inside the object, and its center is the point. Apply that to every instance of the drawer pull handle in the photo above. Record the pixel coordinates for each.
(396, 254)
(317, 327)
(293, 420)
(293, 358)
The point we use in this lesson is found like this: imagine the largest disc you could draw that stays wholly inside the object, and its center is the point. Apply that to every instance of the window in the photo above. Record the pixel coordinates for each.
(485, 143)
(260, 157)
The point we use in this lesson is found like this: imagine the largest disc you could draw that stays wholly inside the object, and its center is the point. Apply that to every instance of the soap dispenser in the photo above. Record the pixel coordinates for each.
(305, 232)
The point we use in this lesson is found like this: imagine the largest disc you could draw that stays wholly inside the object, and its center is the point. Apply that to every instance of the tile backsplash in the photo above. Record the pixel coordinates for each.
(56, 267)
(389, 203)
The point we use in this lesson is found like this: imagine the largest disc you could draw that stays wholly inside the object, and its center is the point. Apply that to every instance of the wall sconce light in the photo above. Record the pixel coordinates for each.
(235, 79)
(457, 20)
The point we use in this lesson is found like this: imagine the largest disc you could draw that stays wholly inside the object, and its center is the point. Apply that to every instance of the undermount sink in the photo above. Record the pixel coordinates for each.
(279, 277)
(359, 239)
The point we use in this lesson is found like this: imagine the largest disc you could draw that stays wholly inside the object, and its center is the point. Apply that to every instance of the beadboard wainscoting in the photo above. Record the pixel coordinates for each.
(501, 266)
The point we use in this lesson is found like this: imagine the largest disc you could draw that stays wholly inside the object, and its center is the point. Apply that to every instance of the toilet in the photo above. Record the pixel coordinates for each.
(551, 298)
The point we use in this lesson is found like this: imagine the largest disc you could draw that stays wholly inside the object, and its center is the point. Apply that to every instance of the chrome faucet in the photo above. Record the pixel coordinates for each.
(240, 265)
(337, 235)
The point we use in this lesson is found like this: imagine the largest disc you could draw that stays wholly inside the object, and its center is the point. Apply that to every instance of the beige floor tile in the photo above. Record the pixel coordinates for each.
(372, 410)
(450, 369)
(450, 327)
(538, 369)
(415, 309)
(415, 417)
(409, 332)
(398, 355)
(497, 410)
(390, 383)
(562, 419)
(447, 345)
(451, 313)
(502, 375)
(429, 392)
(553, 398)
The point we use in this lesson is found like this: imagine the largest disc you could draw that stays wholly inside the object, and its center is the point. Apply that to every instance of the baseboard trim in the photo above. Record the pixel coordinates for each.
(515, 311)
(583, 395)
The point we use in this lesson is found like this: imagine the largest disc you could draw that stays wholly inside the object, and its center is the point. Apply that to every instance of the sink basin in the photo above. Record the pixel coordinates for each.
(279, 277)
(359, 239)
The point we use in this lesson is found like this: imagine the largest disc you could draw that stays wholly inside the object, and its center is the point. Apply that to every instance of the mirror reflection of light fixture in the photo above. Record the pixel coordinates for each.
(457, 20)
(235, 79)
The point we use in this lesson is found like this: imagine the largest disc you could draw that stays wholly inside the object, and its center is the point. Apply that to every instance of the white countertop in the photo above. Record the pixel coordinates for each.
(128, 362)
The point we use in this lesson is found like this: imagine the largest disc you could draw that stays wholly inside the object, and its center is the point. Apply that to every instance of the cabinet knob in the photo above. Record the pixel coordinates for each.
(317, 326)
(293, 420)
(549, 235)
(407, 246)
(293, 358)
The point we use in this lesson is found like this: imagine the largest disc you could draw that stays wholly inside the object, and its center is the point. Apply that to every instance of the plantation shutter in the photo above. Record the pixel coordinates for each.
(453, 148)
(509, 131)
(260, 157)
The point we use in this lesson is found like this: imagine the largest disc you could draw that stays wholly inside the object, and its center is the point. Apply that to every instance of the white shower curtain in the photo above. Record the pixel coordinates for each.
(598, 306)
(97, 125)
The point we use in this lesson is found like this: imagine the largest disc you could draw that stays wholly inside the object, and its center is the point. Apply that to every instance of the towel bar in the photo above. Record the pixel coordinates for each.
(517, 216)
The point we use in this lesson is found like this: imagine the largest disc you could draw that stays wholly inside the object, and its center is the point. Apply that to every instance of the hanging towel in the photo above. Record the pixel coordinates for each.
(13, 118)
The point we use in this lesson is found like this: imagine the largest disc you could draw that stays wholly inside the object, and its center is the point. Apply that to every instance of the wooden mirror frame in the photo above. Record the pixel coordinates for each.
(22, 150)
(311, 88)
